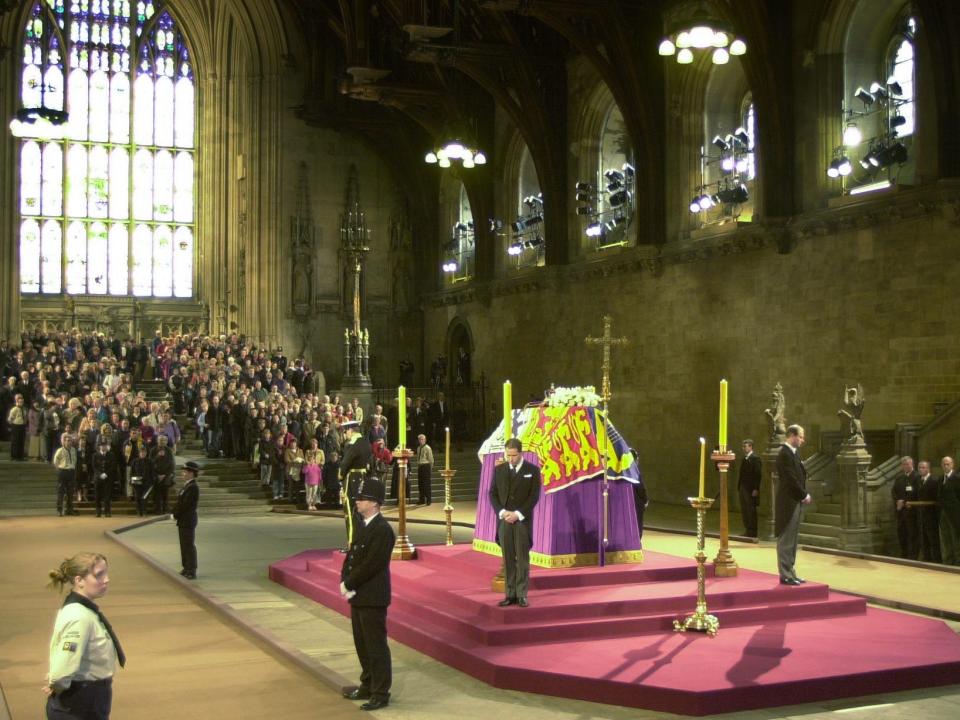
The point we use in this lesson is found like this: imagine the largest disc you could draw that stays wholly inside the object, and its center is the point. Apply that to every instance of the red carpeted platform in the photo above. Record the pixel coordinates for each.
(605, 634)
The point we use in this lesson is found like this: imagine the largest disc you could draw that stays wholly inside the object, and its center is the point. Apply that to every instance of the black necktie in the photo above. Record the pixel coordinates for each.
(90, 605)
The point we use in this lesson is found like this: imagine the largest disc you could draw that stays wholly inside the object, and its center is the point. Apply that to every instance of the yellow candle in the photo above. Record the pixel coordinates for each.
(723, 415)
(703, 464)
(447, 453)
(402, 415)
(507, 410)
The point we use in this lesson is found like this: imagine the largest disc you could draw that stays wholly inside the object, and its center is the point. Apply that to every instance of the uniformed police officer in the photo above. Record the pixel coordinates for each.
(365, 584)
(185, 513)
(84, 650)
(357, 456)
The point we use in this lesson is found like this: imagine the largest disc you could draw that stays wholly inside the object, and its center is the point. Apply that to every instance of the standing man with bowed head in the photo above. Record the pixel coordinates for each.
(791, 496)
(84, 650)
(185, 513)
(365, 584)
(515, 491)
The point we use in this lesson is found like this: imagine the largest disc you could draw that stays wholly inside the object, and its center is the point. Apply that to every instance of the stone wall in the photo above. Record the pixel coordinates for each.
(867, 295)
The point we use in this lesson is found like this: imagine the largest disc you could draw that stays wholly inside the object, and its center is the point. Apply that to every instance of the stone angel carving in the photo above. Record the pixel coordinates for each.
(776, 414)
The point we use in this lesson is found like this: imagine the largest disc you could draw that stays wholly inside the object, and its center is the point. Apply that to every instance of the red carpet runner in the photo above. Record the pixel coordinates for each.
(605, 634)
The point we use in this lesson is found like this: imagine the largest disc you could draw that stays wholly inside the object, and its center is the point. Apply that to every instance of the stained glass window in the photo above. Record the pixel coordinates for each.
(107, 198)
(902, 71)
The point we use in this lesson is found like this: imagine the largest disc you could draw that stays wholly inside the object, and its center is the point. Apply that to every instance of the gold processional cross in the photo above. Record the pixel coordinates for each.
(605, 393)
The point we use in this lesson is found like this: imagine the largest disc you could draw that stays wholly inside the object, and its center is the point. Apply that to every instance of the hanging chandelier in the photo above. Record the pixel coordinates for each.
(720, 41)
(455, 150)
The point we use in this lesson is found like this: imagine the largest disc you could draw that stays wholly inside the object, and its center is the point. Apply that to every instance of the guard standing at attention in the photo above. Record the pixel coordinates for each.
(185, 513)
(357, 456)
(365, 584)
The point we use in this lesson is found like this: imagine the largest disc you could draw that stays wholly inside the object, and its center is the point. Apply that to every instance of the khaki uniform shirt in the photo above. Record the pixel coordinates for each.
(80, 649)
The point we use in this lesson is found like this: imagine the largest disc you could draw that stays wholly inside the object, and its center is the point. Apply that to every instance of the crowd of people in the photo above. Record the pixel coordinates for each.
(69, 399)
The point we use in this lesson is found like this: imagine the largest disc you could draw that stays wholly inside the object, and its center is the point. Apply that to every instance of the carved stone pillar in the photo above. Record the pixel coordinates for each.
(766, 512)
(853, 461)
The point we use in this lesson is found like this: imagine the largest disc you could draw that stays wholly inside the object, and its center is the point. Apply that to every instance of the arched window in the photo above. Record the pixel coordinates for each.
(107, 199)
(527, 238)
(901, 69)
(748, 123)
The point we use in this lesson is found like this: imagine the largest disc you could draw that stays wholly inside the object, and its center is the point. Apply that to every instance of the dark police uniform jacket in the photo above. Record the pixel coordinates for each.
(366, 568)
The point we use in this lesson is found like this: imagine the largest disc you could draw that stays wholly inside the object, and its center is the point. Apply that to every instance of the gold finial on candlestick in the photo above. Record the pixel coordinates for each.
(403, 549)
(700, 620)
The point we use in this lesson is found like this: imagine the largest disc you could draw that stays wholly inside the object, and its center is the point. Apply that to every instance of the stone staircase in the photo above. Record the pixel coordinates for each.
(821, 519)
(464, 485)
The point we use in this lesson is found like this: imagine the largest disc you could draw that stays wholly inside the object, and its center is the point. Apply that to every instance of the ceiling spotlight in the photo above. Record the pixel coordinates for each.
(845, 168)
(741, 165)
(628, 170)
(720, 39)
(667, 47)
(833, 171)
(518, 225)
(721, 56)
(514, 249)
(897, 121)
(736, 195)
(582, 186)
(741, 135)
(705, 202)
(585, 196)
(864, 96)
(894, 87)
(685, 56)
(495, 225)
(431, 157)
(701, 36)
(443, 162)
(720, 143)
(738, 47)
(683, 40)
(727, 164)
(450, 266)
(695, 205)
(614, 175)
(851, 135)
(594, 230)
(586, 210)
(895, 154)
(879, 91)
(621, 197)
(479, 158)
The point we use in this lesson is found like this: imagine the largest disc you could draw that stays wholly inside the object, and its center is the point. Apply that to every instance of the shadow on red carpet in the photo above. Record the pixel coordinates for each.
(605, 634)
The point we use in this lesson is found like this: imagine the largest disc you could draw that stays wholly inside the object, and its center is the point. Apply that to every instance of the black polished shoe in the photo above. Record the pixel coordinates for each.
(190, 576)
(507, 601)
(522, 602)
(789, 581)
(375, 704)
(356, 693)
(800, 580)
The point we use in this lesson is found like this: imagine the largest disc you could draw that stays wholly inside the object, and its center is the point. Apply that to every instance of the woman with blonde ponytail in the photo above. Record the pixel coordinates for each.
(84, 650)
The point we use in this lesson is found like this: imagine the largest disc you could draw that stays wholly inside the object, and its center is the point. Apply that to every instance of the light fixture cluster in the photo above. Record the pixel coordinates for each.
(885, 149)
(720, 42)
(455, 149)
(618, 187)
(733, 158)
(527, 228)
(461, 243)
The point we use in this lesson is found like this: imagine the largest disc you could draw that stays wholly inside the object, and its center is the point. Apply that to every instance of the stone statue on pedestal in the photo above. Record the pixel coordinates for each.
(777, 417)
(851, 411)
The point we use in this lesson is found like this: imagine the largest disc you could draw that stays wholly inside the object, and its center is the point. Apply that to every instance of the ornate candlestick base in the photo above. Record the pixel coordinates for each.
(724, 564)
(448, 501)
(403, 549)
(700, 620)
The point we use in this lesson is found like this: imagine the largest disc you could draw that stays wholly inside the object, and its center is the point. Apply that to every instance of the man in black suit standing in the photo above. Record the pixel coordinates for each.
(906, 488)
(354, 466)
(791, 495)
(365, 583)
(929, 525)
(749, 487)
(515, 491)
(949, 506)
(185, 513)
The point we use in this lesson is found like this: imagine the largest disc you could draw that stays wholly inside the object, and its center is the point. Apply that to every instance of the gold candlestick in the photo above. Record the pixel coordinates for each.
(724, 564)
(700, 620)
(403, 549)
(448, 501)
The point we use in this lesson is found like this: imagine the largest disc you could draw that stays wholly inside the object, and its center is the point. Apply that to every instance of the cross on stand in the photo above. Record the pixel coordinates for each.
(607, 341)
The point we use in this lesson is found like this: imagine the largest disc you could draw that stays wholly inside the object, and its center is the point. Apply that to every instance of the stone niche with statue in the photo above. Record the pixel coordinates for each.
(122, 317)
